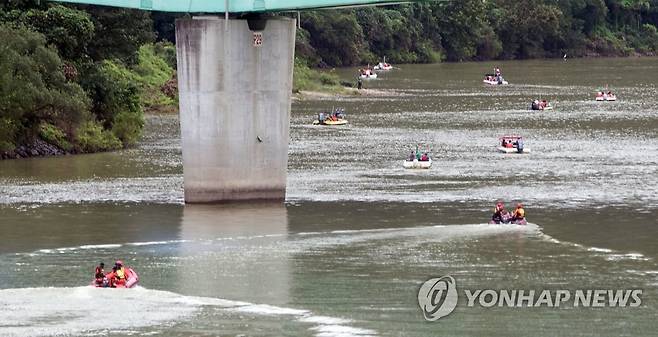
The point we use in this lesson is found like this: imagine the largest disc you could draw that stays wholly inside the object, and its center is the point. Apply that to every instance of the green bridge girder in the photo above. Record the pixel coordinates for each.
(234, 6)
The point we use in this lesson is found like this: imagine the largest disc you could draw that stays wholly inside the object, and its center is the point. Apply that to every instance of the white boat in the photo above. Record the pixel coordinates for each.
(494, 81)
(540, 105)
(602, 96)
(512, 150)
(382, 66)
(368, 75)
(417, 164)
(509, 144)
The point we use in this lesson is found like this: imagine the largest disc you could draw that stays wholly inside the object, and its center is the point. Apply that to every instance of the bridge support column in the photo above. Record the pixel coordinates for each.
(234, 107)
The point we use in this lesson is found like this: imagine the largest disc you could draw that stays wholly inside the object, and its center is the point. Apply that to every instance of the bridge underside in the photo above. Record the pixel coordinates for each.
(234, 6)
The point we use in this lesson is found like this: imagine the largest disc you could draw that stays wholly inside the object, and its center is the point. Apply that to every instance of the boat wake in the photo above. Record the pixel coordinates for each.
(89, 311)
(308, 240)
(606, 253)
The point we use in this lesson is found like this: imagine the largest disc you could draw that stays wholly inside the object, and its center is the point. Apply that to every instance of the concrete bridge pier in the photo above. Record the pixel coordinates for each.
(234, 91)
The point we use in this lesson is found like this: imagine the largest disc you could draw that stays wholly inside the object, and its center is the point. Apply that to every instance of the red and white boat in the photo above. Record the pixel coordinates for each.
(602, 96)
(382, 66)
(512, 144)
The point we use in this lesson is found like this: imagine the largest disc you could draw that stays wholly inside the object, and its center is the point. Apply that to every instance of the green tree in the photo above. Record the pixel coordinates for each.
(33, 87)
(337, 37)
(116, 101)
(119, 33)
(461, 24)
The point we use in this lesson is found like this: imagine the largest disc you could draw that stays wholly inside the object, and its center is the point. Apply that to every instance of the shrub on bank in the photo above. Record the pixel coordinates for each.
(154, 69)
(92, 137)
(55, 136)
(305, 78)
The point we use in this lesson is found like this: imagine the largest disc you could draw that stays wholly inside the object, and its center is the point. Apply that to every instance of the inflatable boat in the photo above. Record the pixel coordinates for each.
(131, 281)
(515, 222)
(368, 75)
(492, 79)
(540, 105)
(417, 164)
(603, 97)
(510, 144)
(382, 66)
(512, 150)
(330, 122)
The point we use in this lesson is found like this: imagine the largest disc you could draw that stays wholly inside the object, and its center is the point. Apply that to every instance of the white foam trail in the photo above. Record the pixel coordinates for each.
(602, 250)
(357, 234)
(153, 243)
(90, 311)
(610, 255)
(109, 245)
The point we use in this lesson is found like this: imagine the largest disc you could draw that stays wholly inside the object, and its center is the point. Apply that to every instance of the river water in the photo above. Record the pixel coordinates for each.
(358, 234)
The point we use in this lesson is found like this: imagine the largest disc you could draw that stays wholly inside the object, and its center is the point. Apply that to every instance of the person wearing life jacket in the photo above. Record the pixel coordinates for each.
(519, 213)
(99, 275)
(424, 157)
(119, 275)
(497, 216)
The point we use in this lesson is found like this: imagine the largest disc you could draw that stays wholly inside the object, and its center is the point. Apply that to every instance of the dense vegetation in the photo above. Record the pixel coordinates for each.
(80, 77)
(479, 30)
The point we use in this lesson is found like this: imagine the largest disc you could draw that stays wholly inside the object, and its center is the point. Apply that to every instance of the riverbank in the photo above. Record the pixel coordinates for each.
(38, 148)
(346, 92)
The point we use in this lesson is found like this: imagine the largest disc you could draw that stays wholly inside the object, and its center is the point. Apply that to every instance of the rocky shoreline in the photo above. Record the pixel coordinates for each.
(38, 148)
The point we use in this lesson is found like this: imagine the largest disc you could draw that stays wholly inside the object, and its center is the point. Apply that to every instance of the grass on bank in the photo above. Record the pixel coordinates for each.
(307, 79)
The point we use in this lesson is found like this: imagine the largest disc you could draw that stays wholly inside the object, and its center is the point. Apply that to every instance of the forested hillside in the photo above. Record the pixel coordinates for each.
(479, 30)
(78, 78)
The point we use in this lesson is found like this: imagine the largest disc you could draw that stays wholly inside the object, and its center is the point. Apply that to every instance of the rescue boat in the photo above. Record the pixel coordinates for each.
(510, 144)
(417, 164)
(330, 122)
(541, 105)
(131, 282)
(492, 79)
(605, 97)
(515, 222)
(382, 66)
(368, 75)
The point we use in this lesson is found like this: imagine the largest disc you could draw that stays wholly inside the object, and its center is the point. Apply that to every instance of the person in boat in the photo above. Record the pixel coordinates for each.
(412, 156)
(519, 213)
(119, 275)
(519, 144)
(505, 216)
(509, 144)
(535, 105)
(321, 117)
(497, 71)
(99, 275)
(498, 212)
(424, 157)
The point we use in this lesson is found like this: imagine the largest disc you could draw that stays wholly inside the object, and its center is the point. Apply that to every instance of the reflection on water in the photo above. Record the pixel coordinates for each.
(230, 270)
